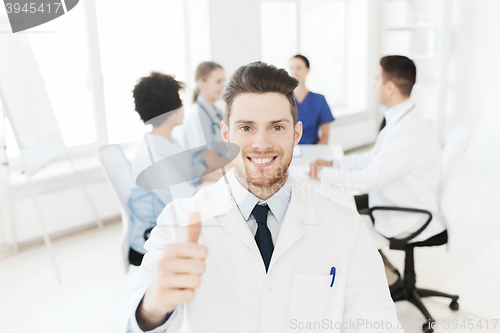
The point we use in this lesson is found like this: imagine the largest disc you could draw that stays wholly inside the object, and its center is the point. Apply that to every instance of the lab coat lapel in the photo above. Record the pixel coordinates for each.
(300, 211)
(237, 227)
(221, 205)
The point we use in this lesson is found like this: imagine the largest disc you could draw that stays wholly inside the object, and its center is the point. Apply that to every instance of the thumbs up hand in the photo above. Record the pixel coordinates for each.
(179, 274)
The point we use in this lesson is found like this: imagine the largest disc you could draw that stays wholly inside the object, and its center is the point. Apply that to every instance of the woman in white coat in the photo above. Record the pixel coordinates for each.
(202, 123)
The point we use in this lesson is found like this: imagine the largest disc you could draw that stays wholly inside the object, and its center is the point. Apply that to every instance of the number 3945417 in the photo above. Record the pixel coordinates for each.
(33, 7)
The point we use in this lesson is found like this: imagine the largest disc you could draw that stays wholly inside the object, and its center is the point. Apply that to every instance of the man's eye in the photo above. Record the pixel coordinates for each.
(278, 128)
(246, 128)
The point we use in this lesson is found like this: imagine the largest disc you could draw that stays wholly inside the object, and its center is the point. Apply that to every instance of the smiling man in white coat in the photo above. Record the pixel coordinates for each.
(269, 257)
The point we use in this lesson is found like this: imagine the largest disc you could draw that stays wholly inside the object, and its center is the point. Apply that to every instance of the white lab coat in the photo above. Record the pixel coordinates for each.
(236, 294)
(402, 169)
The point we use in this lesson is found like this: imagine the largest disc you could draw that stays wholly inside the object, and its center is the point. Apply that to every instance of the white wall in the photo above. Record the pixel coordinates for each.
(199, 44)
(485, 87)
(474, 76)
(235, 32)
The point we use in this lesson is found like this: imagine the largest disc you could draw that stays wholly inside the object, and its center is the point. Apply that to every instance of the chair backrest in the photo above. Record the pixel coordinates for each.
(455, 145)
(118, 171)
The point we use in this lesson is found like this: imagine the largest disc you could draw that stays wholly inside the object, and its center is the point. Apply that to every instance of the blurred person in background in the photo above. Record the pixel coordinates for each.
(158, 103)
(403, 169)
(202, 124)
(314, 112)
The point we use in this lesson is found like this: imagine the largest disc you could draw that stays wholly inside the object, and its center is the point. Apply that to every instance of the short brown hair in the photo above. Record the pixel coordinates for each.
(400, 70)
(260, 78)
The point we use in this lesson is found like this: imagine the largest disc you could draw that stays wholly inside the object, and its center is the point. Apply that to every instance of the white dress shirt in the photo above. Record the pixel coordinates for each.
(402, 169)
(246, 201)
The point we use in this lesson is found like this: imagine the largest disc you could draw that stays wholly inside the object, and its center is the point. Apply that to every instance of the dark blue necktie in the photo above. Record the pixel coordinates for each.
(382, 125)
(263, 235)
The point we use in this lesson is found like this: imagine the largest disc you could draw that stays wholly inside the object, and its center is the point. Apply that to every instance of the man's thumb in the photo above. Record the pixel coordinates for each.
(194, 228)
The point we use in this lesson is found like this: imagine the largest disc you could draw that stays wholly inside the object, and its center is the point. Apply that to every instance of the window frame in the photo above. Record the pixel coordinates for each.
(371, 109)
(96, 88)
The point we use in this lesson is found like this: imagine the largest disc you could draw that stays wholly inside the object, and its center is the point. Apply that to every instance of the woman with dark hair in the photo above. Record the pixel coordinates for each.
(158, 103)
(314, 112)
(202, 123)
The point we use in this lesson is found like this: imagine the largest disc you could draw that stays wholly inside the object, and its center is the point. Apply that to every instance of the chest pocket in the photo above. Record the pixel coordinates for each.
(314, 301)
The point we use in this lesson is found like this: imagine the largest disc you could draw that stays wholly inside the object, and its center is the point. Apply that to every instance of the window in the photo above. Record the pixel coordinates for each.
(322, 34)
(61, 52)
(132, 42)
(413, 28)
(314, 28)
(278, 32)
(333, 35)
(136, 38)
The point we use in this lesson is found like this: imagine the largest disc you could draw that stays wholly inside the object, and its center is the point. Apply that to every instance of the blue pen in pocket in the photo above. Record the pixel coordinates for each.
(332, 273)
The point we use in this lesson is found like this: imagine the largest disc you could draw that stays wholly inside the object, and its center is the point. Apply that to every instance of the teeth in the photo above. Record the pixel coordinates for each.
(261, 160)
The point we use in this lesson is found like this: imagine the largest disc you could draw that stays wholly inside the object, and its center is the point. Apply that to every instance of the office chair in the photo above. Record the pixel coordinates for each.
(118, 172)
(455, 145)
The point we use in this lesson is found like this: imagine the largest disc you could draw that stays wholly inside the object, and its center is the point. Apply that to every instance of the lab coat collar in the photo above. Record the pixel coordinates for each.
(395, 113)
(300, 212)
(220, 201)
(246, 201)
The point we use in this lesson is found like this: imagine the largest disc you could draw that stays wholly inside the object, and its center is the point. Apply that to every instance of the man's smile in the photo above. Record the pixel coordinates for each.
(262, 161)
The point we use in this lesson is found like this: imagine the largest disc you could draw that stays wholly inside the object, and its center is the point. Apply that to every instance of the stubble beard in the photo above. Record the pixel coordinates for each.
(264, 188)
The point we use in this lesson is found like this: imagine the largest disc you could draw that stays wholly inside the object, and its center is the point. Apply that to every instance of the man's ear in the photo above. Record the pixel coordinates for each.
(224, 129)
(297, 133)
(391, 87)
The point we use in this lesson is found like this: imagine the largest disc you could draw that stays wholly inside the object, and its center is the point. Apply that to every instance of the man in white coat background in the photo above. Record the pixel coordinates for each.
(267, 256)
(402, 169)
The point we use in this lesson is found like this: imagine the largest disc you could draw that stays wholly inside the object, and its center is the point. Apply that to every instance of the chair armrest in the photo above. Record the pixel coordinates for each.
(399, 243)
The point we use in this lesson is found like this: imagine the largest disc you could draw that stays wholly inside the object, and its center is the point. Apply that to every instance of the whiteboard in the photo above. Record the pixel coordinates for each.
(27, 103)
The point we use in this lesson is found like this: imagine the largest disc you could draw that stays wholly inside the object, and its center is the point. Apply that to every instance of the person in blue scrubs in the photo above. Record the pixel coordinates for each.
(314, 112)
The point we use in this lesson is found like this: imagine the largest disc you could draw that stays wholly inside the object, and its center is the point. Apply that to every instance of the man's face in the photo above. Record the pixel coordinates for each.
(262, 126)
(381, 87)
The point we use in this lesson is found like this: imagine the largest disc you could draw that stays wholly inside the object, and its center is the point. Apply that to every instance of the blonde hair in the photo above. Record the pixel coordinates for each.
(203, 71)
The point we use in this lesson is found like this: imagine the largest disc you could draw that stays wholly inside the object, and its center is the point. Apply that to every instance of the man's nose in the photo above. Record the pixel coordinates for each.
(262, 141)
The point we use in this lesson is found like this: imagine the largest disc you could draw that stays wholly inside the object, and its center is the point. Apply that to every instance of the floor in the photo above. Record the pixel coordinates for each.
(92, 281)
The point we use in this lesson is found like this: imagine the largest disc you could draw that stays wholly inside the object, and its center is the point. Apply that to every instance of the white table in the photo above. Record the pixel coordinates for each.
(299, 168)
